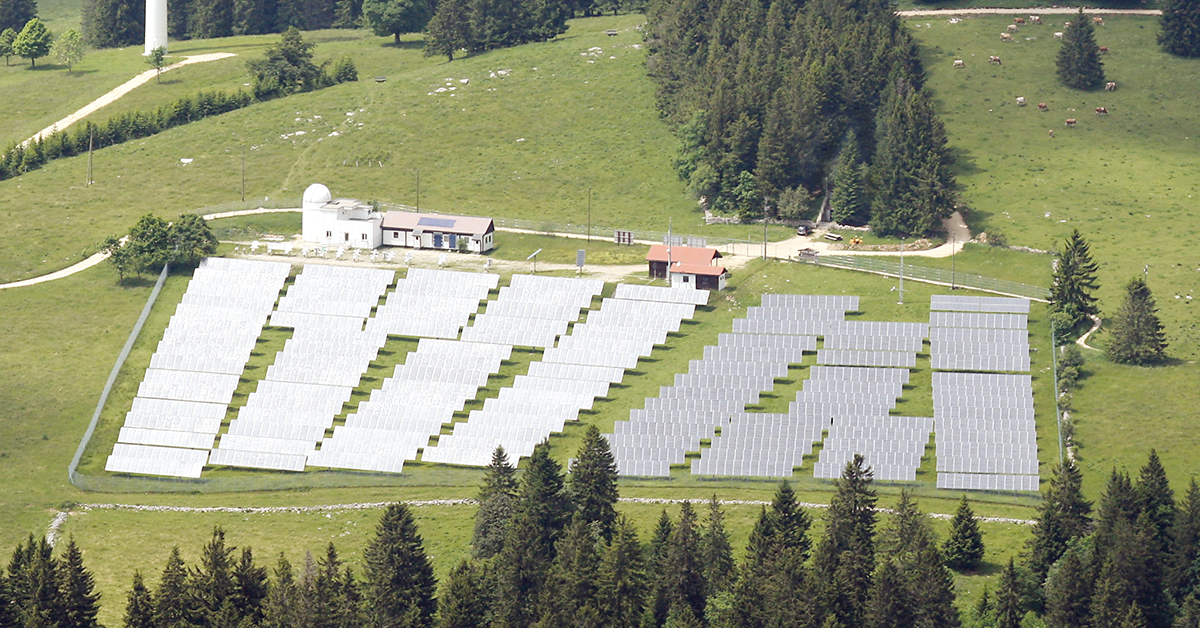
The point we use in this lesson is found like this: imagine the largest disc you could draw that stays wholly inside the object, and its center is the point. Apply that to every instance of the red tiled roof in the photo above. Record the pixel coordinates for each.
(683, 254)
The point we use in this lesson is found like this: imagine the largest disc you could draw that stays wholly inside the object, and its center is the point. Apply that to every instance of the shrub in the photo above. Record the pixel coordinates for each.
(344, 70)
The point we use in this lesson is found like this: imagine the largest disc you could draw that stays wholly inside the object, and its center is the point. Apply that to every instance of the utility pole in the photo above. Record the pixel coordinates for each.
(764, 238)
(589, 238)
(953, 254)
(91, 138)
(668, 277)
(902, 271)
(418, 189)
(243, 173)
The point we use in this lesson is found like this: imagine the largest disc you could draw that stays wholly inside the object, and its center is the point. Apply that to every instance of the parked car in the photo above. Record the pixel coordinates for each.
(803, 230)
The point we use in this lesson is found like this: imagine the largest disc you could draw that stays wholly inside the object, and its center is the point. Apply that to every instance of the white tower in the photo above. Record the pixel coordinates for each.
(156, 25)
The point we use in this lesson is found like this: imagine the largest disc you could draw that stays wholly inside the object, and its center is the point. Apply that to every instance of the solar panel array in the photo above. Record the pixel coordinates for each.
(532, 311)
(985, 430)
(432, 303)
(315, 372)
(678, 293)
(422, 394)
(714, 393)
(567, 379)
(196, 367)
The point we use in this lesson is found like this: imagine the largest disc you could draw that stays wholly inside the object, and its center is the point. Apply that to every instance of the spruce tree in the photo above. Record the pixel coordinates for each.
(1079, 65)
(685, 573)
(171, 602)
(774, 571)
(1063, 515)
(889, 605)
(1069, 584)
(212, 583)
(850, 195)
(399, 576)
(621, 584)
(250, 582)
(1129, 574)
(592, 483)
(8, 612)
(449, 30)
(1185, 546)
(569, 597)
(113, 23)
(463, 603)
(928, 585)
(716, 554)
(846, 555)
(1137, 333)
(496, 498)
(281, 606)
(1009, 610)
(657, 602)
(1180, 28)
(1156, 501)
(1118, 505)
(80, 602)
(541, 511)
(1074, 283)
(964, 547)
(326, 585)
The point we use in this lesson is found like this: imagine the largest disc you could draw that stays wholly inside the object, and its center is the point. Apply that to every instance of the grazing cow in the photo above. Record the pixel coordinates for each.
(1066, 25)
(959, 63)
(995, 60)
(1101, 111)
(1005, 37)
(1098, 21)
(1071, 122)
(1012, 28)
(1043, 107)
(1051, 133)
(1058, 35)
(1103, 49)
(1021, 101)
(1018, 20)
(1110, 86)
(1035, 19)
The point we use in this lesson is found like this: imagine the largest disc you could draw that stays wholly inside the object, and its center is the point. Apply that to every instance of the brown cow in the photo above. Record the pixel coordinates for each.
(1021, 102)
(1110, 86)
(1005, 37)
(1043, 107)
(1103, 49)
(1012, 28)
(959, 63)
(1051, 133)
(1035, 19)
(995, 60)
(1098, 21)
(1101, 111)
(1018, 20)
(1070, 122)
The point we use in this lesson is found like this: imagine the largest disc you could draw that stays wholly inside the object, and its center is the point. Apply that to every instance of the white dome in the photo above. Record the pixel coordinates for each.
(316, 195)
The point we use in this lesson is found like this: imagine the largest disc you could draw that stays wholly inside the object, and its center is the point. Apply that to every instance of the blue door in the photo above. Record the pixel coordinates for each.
(453, 241)
(437, 240)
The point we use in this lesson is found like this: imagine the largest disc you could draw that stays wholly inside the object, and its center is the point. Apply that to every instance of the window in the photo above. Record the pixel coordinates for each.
(687, 279)
(364, 236)
(346, 237)
(328, 234)
(395, 234)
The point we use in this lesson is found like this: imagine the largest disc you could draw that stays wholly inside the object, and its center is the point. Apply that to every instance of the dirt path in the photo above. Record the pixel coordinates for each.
(1095, 327)
(119, 91)
(1026, 11)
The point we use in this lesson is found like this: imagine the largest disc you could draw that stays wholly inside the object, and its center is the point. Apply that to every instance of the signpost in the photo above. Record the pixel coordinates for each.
(580, 258)
(533, 257)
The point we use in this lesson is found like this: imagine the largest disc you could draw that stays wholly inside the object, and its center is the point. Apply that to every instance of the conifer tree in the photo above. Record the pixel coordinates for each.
(20, 583)
(592, 483)
(569, 597)
(716, 554)
(1079, 65)
(1063, 515)
(888, 605)
(928, 585)
(212, 583)
(1185, 546)
(250, 581)
(8, 616)
(1129, 574)
(449, 30)
(849, 195)
(1118, 505)
(846, 555)
(80, 602)
(1137, 333)
(139, 605)
(399, 576)
(113, 23)
(1156, 501)
(541, 511)
(964, 547)
(1008, 598)
(281, 606)
(171, 601)
(774, 568)
(352, 613)
(1074, 282)
(685, 585)
(463, 603)
(34, 581)
(1069, 584)
(1180, 28)
(657, 602)
(621, 584)
(15, 14)
(325, 584)
(496, 498)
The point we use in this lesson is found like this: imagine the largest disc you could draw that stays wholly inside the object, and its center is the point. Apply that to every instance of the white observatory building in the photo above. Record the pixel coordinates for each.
(156, 25)
(341, 222)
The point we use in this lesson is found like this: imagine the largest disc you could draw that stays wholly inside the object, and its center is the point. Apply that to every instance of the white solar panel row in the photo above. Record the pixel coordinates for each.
(757, 369)
(970, 319)
(267, 444)
(783, 314)
(882, 329)
(874, 343)
(648, 308)
(848, 357)
(858, 374)
(612, 318)
(304, 320)
(165, 438)
(974, 362)
(513, 331)
(759, 445)
(658, 421)
(618, 332)
(188, 386)
(744, 382)
(774, 326)
(286, 431)
(987, 482)
(586, 357)
(681, 293)
(986, 465)
(531, 309)
(151, 460)
(978, 335)
(179, 416)
(560, 370)
(473, 285)
(756, 354)
(811, 301)
(979, 304)
(256, 460)
(968, 384)
(805, 343)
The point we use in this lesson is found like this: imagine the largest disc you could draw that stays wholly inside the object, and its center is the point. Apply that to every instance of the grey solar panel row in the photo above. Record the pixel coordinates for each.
(811, 301)
(188, 386)
(678, 293)
(529, 309)
(576, 371)
(256, 460)
(848, 357)
(165, 438)
(514, 331)
(974, 362)
(980, 335)
(775, 326)
(858, 374)
(705, 393)
(754, 369)
(686, 380)
(793, 314)
(756, 354)
(336, 291)
(952, 464)
(172, 414)
(874, 343)
(987, 482)
(767, 341)
(971, 319)
(884, 329)
(979, 304)
(152, 460)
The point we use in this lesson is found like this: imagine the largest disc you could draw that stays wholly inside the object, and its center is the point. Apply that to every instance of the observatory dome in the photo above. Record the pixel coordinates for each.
(315, 196)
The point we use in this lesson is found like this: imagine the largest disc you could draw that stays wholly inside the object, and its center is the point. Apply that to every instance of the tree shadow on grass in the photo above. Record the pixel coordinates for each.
(405, 45)
(137, 282)
(963, 163)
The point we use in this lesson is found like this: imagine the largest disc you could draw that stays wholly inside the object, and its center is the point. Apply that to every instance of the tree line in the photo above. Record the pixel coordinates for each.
(773, 102)
(1130, 563)
(152, 242)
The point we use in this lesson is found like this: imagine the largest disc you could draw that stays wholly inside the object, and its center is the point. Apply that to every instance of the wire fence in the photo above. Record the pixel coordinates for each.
(893, 268)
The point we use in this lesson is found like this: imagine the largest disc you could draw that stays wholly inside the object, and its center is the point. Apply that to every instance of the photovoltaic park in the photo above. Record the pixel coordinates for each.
(303, 413)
